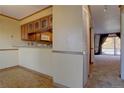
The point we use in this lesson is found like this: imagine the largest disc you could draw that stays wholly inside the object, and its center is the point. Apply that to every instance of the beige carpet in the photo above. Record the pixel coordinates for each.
(18, 77)
(105, 73)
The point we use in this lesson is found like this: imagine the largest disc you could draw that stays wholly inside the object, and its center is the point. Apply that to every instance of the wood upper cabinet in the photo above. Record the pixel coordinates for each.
(38, 30)
(24, 32)
(50, 21)
(31, 37)
(38, 36)
(46, 36)
(30, 27)
(44, 23)
(37, 25)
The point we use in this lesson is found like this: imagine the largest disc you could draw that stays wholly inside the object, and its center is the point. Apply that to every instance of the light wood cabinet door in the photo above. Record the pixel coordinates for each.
(44, 24)
(50, 21)
(31, 27)
(46, 36)
(37, 25)
(24, 32)
(31, 37)
(38, 36)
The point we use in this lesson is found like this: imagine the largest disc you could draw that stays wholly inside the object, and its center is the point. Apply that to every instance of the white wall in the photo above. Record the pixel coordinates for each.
(9, 36)
(65, 69)
(67, 28)
(68, 69)
(10, 33)
(67, 36)
(8, 58)
(38, 59)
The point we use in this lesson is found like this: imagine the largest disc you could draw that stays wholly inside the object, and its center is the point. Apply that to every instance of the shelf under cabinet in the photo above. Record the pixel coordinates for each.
(48, 30)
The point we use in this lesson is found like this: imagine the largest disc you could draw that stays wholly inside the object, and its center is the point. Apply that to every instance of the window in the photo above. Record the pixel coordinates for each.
(111, 45)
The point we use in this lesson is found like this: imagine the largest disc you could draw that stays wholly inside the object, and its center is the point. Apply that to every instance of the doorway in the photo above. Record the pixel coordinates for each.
(105, 69)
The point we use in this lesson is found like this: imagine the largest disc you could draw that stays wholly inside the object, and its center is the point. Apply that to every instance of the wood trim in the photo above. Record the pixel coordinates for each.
(9, 17)
(35, 13)
(7, 49)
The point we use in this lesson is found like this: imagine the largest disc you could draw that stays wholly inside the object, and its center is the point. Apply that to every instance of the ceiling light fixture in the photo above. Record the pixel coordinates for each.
(105, 8)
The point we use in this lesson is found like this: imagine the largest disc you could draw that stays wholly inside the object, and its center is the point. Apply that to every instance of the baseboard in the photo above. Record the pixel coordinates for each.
(57, 85)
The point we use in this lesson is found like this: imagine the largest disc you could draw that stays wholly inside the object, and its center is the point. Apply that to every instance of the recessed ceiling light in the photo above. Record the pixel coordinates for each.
(105, 8)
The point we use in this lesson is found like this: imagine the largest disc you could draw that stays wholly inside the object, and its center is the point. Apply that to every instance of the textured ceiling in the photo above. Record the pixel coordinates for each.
(20, 11)
(108, 21)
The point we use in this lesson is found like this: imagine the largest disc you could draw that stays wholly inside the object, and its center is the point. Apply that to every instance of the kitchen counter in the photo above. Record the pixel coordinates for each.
(48, 47)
